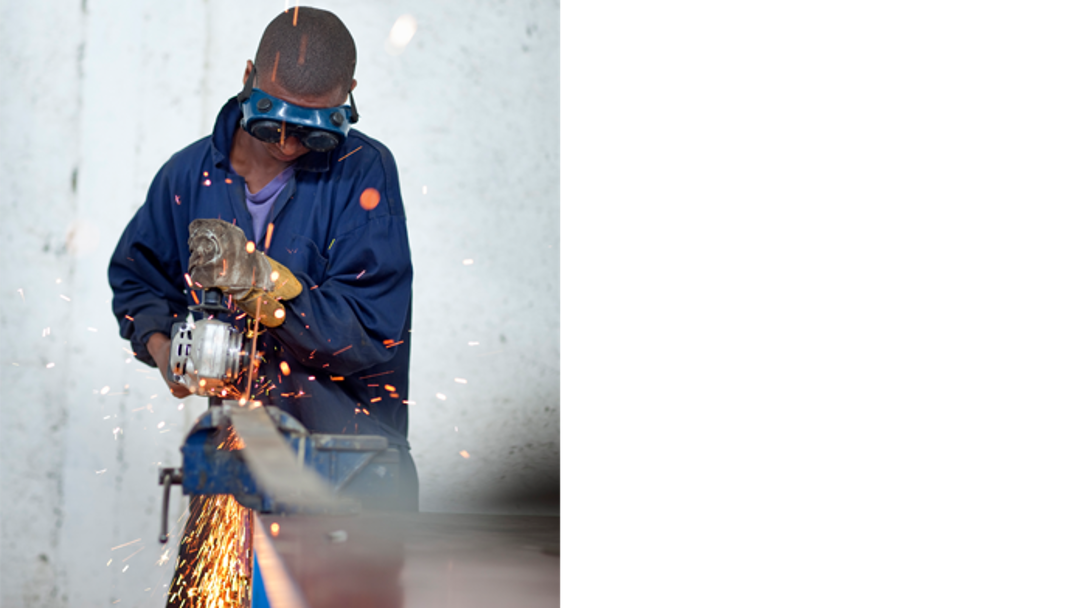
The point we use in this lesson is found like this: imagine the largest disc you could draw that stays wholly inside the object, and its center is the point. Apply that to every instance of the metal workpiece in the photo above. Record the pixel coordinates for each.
(280, 476)
(409, 560)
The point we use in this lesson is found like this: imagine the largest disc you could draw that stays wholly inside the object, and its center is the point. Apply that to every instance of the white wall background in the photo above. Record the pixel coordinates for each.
(96, 96)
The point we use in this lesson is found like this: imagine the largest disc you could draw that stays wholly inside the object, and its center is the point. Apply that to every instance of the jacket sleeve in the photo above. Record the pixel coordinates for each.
(145, 272)
(355, 318)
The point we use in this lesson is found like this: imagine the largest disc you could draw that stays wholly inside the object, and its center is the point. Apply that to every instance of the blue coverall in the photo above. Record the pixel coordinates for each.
(346, 336)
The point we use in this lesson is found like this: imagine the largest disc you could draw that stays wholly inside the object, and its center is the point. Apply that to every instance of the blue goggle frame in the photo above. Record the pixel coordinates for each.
(319, 129)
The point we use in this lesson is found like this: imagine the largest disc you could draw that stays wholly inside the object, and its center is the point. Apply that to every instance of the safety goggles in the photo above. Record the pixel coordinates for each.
(273, 120)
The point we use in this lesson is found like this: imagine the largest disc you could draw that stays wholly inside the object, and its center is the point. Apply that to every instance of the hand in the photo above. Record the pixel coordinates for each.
(220, 258)
(159, 345)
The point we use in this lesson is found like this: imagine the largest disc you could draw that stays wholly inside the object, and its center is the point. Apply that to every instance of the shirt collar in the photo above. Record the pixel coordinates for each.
(228, 121)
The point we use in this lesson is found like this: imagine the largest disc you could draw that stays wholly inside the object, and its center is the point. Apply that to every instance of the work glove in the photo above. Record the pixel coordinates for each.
(222, 257)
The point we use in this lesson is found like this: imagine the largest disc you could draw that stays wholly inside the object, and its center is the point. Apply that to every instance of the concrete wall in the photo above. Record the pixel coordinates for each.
(96, 96)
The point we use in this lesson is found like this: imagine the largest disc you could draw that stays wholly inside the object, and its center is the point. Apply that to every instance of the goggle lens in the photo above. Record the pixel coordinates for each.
(313, 139)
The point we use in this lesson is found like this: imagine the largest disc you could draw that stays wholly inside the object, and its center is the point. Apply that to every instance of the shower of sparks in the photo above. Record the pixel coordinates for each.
(464, 454)
(215, 553)
(349, 154)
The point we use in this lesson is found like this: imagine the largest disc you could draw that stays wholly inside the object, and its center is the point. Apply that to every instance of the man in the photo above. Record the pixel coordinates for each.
(322, 205)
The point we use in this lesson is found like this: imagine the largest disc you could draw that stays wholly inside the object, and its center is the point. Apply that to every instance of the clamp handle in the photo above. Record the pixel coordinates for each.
(167, 477)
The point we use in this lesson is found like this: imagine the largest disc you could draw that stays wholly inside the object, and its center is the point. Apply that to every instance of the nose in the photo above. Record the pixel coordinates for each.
(292, 146)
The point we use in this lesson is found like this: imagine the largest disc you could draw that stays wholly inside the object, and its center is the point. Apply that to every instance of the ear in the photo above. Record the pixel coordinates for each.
(248, 69)
(353, 87)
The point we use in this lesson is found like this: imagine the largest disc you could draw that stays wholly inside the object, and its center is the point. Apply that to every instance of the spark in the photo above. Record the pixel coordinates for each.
(101, 471)
(228, 180)
(250, 247)
(50, 365)
(337, 378)
(273, 74)
(296, 13)
(285, 368)
(336, 353)
(46, 331)
(108, 563)
(464, 454)
(349, 154)
(121, 572)
(180, 407)
(187, 277)
(125, 544)
(58, 280)
(461, 381)
(474, 344)
(393, 344)
(440, 396)
(369, 199)
(313, 287)
(361, 273)
(390, 388)
(129, 318)
(91, 329)
(424, 189)
(279, 313)
(402, 31)
(455, 429)
(376, 399)
(274, 528)
(104, 390)
(132, 555)
(206, 182)
(394, 395)
(378, 374)
(332, 241)
(117, 432)
(467, 262)
(161, 424)
(195, 297)
(269, 234)
(164, 557)
(21, 294)
(311, 378)
(63, 297)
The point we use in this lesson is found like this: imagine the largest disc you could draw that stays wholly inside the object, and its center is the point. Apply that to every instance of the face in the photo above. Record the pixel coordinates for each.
(292, 149)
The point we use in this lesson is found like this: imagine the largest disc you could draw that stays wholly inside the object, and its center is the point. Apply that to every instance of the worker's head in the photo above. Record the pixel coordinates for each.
(306, 59)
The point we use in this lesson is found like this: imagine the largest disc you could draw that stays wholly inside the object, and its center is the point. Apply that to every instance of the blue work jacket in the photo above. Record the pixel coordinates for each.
(346, 337)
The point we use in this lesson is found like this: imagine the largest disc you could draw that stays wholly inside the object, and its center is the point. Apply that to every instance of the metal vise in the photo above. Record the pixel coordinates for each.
(219, 457)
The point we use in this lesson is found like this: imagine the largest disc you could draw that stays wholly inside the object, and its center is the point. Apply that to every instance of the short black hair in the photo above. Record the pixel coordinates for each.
(307, 51)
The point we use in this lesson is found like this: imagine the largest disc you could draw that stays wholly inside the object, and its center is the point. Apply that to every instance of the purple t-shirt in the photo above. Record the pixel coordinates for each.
(257, 203)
